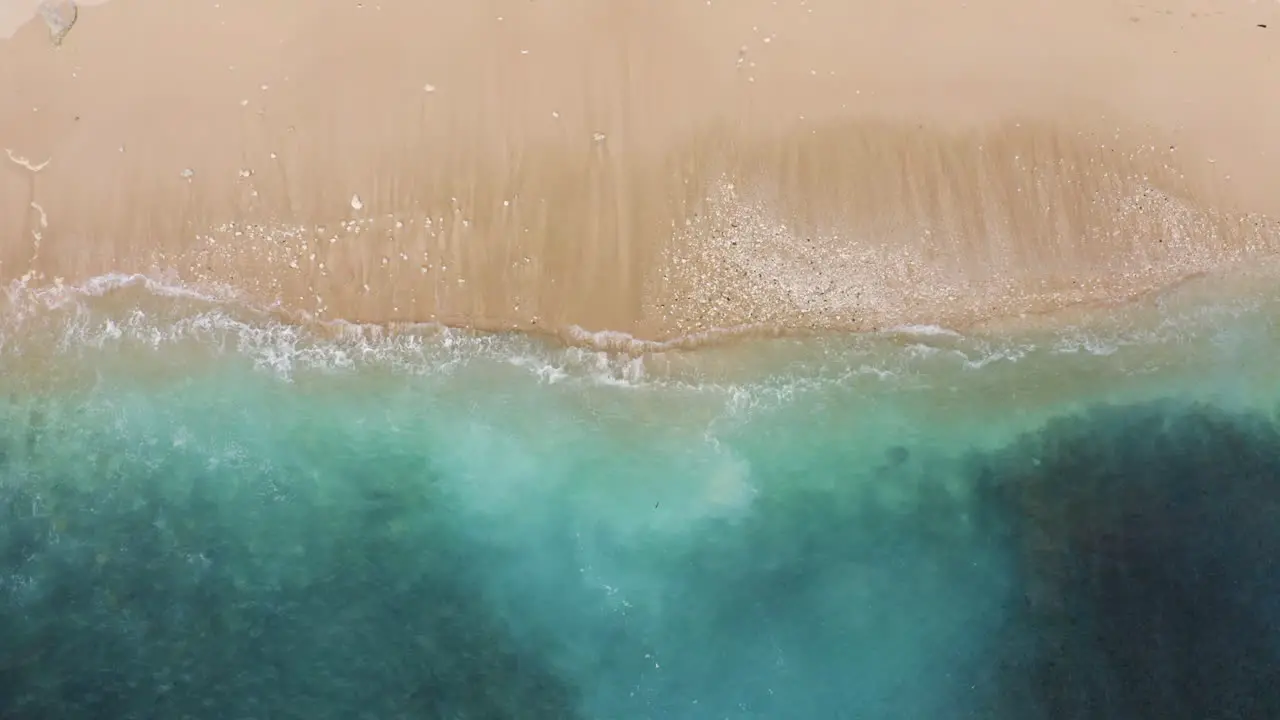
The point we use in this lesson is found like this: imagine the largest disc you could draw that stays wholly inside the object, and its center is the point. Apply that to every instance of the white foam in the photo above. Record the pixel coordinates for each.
(925, 330)
(621, 342)
(1087, 344)
(25, 162)
(120, 310)
(980, 360)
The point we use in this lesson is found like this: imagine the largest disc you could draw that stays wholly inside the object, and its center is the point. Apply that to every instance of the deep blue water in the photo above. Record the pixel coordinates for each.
(204, 514)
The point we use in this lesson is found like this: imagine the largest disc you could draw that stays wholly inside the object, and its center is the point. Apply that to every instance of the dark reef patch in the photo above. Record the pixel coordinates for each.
(1149, 556)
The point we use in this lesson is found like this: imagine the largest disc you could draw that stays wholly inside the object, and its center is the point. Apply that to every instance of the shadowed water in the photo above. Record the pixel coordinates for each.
(223, 519)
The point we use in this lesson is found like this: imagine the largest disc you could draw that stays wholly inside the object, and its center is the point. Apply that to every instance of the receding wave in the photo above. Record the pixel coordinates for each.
(135, 311)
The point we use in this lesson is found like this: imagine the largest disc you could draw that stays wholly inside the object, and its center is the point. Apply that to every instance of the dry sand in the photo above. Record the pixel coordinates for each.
(659, 167)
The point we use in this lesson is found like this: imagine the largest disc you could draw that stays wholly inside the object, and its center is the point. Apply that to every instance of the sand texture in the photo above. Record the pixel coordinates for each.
(660, 167)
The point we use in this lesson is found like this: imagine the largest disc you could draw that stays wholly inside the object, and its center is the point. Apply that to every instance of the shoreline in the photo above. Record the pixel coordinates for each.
(162, 300)
(1166, 346)
(657, 170)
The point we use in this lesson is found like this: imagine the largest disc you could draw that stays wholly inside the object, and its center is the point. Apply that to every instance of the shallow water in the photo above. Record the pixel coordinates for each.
(210, 514)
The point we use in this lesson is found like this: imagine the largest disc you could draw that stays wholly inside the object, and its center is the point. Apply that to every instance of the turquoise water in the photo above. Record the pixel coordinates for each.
(209, 514)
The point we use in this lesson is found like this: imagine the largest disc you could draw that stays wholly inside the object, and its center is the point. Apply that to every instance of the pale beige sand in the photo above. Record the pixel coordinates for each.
(653, 166)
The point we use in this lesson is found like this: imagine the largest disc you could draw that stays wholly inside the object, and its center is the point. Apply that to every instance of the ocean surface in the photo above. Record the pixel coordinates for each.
(206, 512)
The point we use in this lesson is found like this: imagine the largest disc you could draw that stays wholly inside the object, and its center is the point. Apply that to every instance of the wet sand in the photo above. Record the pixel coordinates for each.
(655, 168)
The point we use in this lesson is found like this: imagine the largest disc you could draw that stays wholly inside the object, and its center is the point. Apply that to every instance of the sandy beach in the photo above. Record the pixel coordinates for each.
(658, 168)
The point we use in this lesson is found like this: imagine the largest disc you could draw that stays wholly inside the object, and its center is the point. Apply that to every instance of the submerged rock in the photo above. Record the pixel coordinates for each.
(60, 16)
